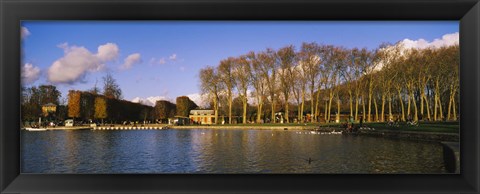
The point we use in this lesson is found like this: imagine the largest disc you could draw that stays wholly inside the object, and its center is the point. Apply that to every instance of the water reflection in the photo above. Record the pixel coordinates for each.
(222, 151)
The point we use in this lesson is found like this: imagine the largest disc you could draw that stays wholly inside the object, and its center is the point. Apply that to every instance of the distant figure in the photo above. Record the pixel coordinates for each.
(361, 121)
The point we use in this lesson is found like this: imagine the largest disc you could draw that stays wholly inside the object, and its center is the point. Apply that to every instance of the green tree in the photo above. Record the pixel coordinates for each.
(184, 105)
(164, 109)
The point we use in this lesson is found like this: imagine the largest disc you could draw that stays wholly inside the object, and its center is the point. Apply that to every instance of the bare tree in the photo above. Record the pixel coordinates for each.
(258, 82)
(310, 64)
(110, 87)
(287, 59)
(299, 89)
(211, 85)
(268, 69)
(225, 70)
(242, 74)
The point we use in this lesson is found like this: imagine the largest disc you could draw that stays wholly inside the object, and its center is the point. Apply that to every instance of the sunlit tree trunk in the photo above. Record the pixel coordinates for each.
(326, 111)
(330, 99)
(303, 106)
(317, 105)
(259, 110)
(427, 106)
(408, 105)
(376, 109)
(390, 116)
(338, 108)
(382, 118)
(350, 100)
(370, 91)
(415, 114)
(363, 105)
(401, 104)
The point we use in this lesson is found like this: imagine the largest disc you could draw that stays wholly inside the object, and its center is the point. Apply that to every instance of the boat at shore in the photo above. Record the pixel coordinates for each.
(35, 129)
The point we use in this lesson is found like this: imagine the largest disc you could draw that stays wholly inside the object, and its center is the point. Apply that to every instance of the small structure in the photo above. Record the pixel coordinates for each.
(204, 117)
(179, 120)
(48, 109)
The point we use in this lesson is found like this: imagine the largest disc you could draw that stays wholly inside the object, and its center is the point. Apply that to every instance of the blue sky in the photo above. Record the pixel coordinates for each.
(165, 57)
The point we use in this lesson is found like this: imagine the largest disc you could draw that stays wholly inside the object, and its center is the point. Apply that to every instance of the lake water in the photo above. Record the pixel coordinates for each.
(222, 151)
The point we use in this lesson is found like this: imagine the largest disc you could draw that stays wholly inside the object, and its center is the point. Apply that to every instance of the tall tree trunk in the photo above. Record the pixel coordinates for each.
(376, 109)
(356, 107)
(382, 119)
(326, 111)
(259, 110)
(230, 107)
(317, 100)
(449, 105)
(244, 120)
(273, 109)
(435, 116)
(390, 116)
(286, 111)
(369, 104)
(421, 102)
(408, 106)
(312, 113)
(215, 106)
(303, 106)
(401, 104)
(415, 114)
(427, 106)
(338, 108)
(330, 99)
(437, 96)
(350, 100)
(441, 109)
(364, 112)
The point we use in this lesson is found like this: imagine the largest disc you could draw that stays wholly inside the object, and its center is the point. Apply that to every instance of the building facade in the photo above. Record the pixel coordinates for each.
(203, 117)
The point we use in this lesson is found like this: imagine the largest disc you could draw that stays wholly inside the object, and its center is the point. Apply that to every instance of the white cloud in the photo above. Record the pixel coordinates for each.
(403, 46)
(173, 57)
(150, 101)
(446, 40)
(131, 60)
(200, 100)
(24, 32)
(30, 73)
(77, 61)
(107, 52)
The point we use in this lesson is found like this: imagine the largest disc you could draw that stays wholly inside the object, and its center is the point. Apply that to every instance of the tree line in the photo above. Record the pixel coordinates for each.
(389, 82)
(97, 105)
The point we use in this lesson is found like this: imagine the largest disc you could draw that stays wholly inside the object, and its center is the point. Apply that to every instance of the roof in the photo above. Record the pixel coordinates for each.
(202, 112)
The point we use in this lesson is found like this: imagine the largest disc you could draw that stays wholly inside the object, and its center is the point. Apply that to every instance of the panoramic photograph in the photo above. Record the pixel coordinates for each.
(240, 97)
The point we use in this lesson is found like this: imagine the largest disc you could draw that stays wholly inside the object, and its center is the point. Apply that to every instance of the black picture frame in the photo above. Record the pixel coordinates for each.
(14, 11)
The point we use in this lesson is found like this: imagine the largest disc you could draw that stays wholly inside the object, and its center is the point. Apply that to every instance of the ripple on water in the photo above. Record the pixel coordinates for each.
(222, 151)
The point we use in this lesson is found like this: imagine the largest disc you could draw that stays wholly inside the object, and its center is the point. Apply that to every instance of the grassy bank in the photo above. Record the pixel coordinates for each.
(434, 127)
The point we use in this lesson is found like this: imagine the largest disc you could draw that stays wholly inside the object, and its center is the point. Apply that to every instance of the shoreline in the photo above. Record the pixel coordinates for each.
(392, 134)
